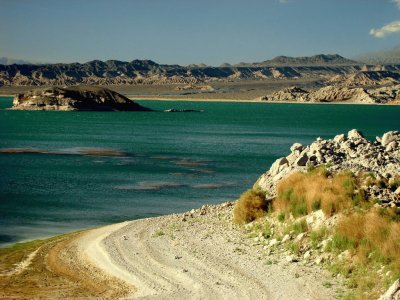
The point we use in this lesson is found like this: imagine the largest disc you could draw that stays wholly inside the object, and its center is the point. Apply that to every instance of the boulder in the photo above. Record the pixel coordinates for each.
(355, 134)
(296, 147)
(278, 165)
(389, 137)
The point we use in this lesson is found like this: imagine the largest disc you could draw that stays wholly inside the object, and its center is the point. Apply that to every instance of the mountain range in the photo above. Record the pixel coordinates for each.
(149, 72)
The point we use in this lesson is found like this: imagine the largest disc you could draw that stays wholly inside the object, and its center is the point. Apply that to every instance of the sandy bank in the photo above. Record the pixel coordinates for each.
(197, 255)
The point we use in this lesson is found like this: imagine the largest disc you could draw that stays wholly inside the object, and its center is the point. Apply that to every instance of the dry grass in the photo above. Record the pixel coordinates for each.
(250, 206)
(372, 232)
(373, 239)
(302, 193)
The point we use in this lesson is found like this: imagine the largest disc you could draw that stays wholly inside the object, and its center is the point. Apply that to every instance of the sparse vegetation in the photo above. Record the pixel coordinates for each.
(250, 206)
(302, 193)
(363, 245)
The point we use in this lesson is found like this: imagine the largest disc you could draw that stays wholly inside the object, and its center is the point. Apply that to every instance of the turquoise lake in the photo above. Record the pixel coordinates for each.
(83, 169)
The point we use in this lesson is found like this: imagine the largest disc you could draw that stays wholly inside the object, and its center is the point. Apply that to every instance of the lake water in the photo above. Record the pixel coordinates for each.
(82, 169)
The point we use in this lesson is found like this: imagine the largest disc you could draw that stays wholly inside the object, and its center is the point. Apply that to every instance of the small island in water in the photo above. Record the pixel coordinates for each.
(79, 97)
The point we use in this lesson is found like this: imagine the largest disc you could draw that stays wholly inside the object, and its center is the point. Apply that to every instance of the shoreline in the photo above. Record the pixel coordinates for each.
(228, 100)
(200, 253)
(171, 99)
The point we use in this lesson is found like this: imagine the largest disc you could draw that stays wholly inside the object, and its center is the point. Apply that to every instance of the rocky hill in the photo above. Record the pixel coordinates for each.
(332, 93)
(74, 98)
(149, 72)
(351, 152)
(366, 78)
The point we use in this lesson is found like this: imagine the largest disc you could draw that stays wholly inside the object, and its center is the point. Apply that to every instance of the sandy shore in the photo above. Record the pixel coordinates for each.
(197, 255)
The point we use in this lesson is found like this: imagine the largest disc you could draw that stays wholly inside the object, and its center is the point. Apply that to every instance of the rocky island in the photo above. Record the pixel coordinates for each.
(75, 98)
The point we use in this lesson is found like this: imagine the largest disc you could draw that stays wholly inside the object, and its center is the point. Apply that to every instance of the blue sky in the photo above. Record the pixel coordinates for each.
(201, 31)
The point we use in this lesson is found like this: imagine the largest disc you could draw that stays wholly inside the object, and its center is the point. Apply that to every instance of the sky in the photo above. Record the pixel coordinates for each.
(194, 31)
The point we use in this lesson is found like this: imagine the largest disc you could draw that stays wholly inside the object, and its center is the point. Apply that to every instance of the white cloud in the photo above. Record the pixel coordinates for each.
(387, 29)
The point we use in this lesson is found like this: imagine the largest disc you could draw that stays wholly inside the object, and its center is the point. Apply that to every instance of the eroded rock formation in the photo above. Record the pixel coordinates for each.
(74, 98)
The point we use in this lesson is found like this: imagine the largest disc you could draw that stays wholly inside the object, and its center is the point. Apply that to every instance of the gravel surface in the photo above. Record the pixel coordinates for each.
(198, 255)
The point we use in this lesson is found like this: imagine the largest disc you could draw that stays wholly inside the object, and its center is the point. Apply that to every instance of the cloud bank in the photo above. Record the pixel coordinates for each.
(392, 27)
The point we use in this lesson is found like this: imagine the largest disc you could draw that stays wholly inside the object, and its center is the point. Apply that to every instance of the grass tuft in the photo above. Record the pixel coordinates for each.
(250, 206)
(302, 193)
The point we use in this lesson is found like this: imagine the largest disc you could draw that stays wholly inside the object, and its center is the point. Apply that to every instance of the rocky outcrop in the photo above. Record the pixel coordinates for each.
(293, 93)
(75, 98)
(366, 78)
(337, 94)
(351, 152)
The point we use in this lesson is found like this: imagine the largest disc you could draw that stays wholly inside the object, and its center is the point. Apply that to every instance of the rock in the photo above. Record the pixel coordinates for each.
(273, 242)
(355, 154)
(278, 165)
(319, 260)
(397, 191)
(296, 147)
(302, 160)
(391, 146)
(307, 255)
(287, 94)
(355, 134)
(291, 258)
(340, 138)
(285, 238)
(74, 98)
(389, 137)
(300, 237)
(345, 255)
(393, 293)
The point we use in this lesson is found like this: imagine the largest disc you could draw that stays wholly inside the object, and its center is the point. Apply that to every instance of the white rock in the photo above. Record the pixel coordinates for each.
(390, 136)
(393, 293)
(277, 166)
(307, 255)
(273, 242)
(296, 147)
(300, 237)
(355, 134)
(340, 138)
(319, 260)
(291, 258)
(285, 238)
(391, 146)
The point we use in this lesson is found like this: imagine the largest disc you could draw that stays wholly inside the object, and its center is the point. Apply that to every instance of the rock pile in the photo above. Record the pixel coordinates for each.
(379, 160)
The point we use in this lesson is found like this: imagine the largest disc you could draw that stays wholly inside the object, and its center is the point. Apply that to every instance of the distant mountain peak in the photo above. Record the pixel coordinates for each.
(11, 61)
(383, 57)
